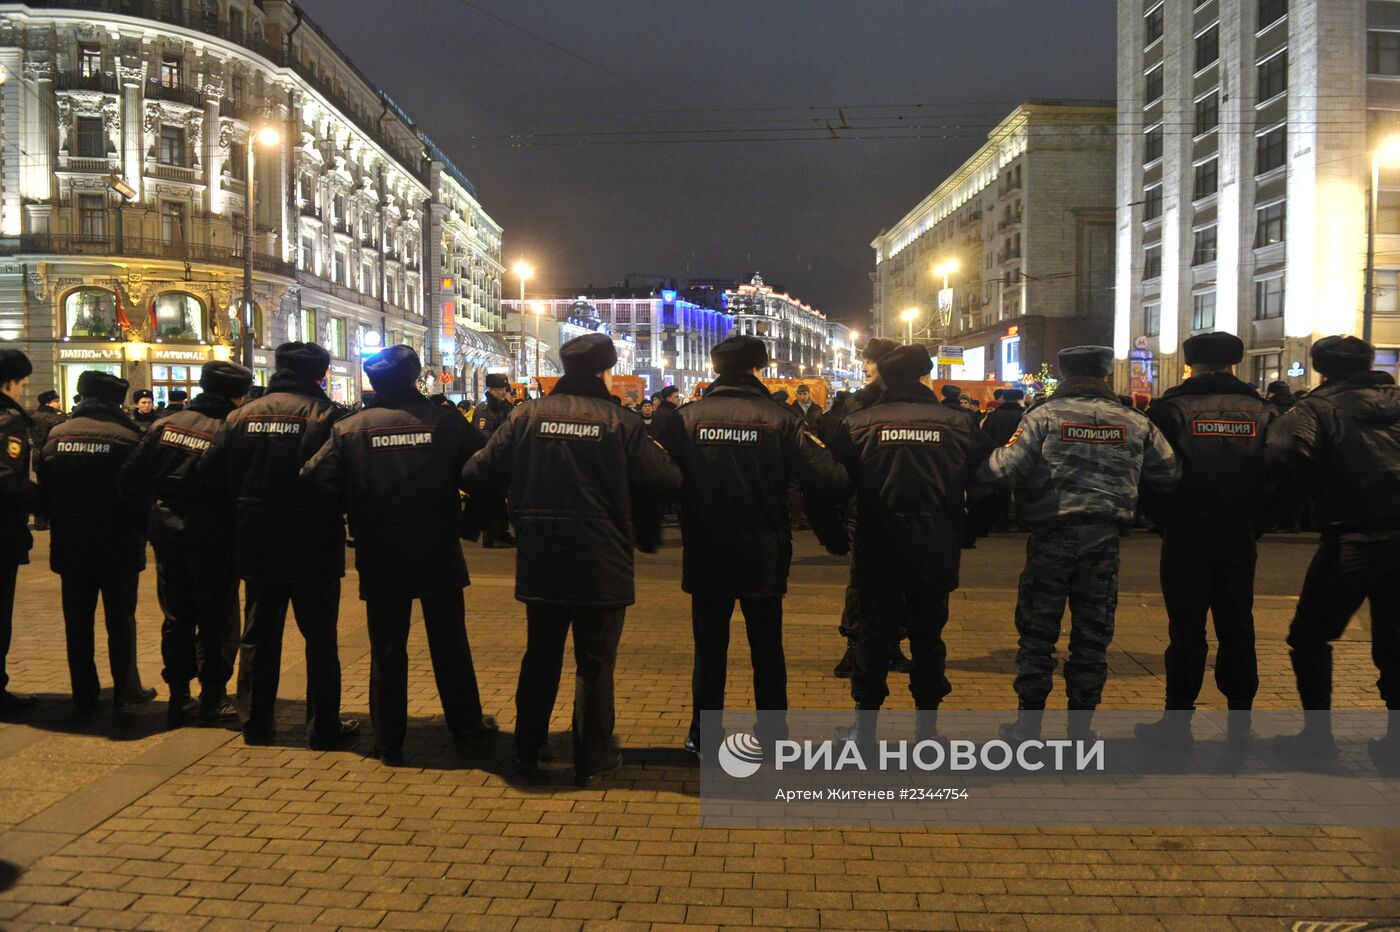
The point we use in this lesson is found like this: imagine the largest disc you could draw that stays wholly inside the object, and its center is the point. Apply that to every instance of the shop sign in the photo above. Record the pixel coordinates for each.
(89, 352)
(340, 368)
(180, 355)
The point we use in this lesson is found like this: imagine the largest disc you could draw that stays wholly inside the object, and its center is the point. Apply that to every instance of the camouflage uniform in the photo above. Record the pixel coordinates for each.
(1077, 460)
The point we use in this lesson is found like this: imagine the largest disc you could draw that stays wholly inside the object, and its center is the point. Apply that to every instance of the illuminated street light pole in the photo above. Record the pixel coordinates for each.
(1387, 153)
(909, 316)
(538, 309)
(523, 271)
(269, 137)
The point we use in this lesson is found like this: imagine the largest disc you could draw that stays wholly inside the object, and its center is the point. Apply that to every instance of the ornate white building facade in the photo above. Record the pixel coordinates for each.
(796, 334)
(125, 128)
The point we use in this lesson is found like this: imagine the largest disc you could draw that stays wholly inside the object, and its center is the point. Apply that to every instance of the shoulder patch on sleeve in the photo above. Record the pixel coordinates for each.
(14, 447)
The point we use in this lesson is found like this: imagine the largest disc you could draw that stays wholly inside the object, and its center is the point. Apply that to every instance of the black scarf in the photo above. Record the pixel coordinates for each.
(1083, 386)
(579, 383)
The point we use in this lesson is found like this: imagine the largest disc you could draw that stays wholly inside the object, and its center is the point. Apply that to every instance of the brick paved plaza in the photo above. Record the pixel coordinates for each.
(143, 828)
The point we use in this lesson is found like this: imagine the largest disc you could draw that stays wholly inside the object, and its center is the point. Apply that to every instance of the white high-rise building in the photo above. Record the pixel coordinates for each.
(1246, 135)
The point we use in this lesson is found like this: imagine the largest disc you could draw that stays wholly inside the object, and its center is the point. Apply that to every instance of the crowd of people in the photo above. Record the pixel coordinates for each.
(258, 487)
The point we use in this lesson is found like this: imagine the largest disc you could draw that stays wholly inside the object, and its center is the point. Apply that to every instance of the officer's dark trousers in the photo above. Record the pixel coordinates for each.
(1078, 563)
(8, 574)
(199, 634)
(1344, 572)
(118, 593)
(260, 656)
(763, 620)
(596, 633)
(445, 621)
(882, 613)
(1210, 568)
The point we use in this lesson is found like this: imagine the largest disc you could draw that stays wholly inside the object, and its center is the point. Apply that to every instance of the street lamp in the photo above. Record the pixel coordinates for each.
(1387, 154)
(538, 309)
(664, 363)
(523, 271)
(267, 136)
(909, 316)
(945, 268)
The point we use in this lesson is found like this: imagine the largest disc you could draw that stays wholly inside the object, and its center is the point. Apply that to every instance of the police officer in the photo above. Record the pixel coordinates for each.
(1216, 425)
(738, 451)
(989, 508)
(1342, 442)
(869, 394)
(290, 548)
(489, 415)
(17, 499)
(910, 459)
(573, 462)
(193, 542)
(98, 546)
(145, 414)
(178, 399)
(1079, 457)
(393, 466)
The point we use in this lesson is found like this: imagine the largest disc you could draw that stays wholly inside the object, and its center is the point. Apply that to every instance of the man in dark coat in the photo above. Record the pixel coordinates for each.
(668, 402)
(98, 546)
(290, 548)
(807, 409)
(1342, 443)
(989, 506)
(738, 451)
(575, 463)
(489, 415)
(394, 469)
(18, 498)
(876, 348)
(1216, 424)
(1280, 396)
(178, 399)
(910, 459)
(193, 542)
(145, 413)
(49, 413)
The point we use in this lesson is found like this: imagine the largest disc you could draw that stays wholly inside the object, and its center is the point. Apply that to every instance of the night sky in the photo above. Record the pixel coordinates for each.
(693, 138)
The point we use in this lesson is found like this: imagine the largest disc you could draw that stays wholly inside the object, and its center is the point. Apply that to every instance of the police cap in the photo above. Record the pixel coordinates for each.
(1213, 349)
(103, 386)
(1339, 356)
(1092, 361)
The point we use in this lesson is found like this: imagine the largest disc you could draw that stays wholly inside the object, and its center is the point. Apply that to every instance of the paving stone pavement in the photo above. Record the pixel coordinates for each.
(134, 827)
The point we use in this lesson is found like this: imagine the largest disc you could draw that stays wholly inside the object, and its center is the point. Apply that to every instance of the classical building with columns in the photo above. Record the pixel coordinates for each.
(127, 128)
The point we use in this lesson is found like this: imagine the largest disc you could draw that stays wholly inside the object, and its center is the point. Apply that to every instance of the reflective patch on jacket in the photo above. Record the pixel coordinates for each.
(571, 430)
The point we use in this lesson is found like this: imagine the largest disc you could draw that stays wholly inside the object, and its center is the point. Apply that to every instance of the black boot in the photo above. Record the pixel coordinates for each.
(1315, 741)
(863, 733)
(926, 727)
(1080, 718)
(847, 664)
(1025, 728)
(182, 707)
(1171, 732)
(1239, 734)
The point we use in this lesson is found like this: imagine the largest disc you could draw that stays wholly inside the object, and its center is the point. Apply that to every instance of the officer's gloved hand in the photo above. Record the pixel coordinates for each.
(837, 546)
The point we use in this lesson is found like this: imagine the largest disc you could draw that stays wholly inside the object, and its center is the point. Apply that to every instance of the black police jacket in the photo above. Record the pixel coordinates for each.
(145, 420)
(859, 401)
(282, 535)
(490, 414)
(737, 450)
(1001, 422)
(1216, 424)
(44, 419)
(910, 458)
(95, 529)
(1342, 441)
(574, 463)
(393, 469)
(164, 471)
(18, 496)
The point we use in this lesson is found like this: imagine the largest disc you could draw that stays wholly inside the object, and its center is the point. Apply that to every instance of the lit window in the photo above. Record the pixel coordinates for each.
(170, 71)
(1269, 224)
(1203, 310)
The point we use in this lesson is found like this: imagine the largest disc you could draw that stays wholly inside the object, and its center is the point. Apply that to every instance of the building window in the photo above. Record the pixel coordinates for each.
(1268, 367)
(236, 89)
(89, 60)
(90, 312)
(1203, 310)
(172, 222)
(335, 334)
(1152, 150)
(1268, 224)
(170, 71)
(1207, 179)
(1382, 52)
(1208, 47)
(1271, 11)
(1154, 23)
(1152, 319)
(1152, 203)
(1387, 287)
(1154, 85)
(172, 145)
(178, 316)
(1268, 299)
(1203, 249)
(1388, 212)
(306, 255)
(1270, 150)
(1388, 361)
(308, 325)
(237, 162)
(92, 140)
(1208, 113)
(1152, 263)
(92, 218)
(1273, 76)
